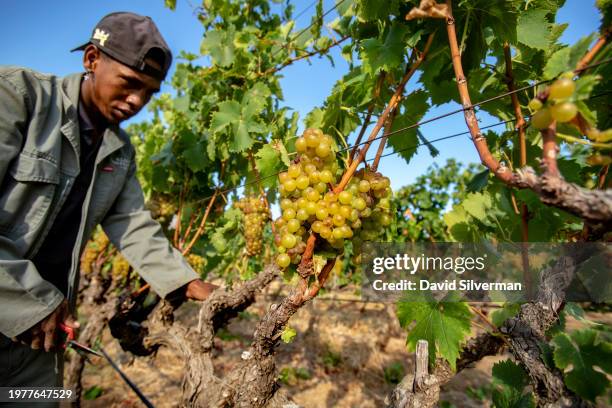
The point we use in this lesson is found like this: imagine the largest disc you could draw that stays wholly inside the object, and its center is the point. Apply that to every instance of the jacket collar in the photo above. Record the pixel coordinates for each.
(71, 89)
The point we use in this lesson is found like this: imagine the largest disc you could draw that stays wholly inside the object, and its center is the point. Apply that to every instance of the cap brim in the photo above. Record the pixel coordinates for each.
(81, 48)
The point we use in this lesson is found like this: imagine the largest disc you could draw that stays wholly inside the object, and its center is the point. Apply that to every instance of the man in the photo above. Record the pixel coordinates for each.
(65, 167)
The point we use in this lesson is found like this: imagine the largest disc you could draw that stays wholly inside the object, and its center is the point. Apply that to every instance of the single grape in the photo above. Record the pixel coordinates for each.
(301, 203)
(593, 134)
(283, 177)
(323, 150)
(325, 232)
(562, 88)
(338, 220)
(541, 119)
(302, 182)
(535, 104)
(311, 207)
(334, 208)
(313, 195)
(283, 260)
(300, 145)
(605, 136)
(325, 176)
(280, 222)
(321, 213)
(293, 225)
(288, 241)
(385, 219)
(337, 233)
(316, 226)
(321, 187)
(331, 197)
(359, 203)
(310, 168)
(294, 170)
(345, 197)
(301, 214)
(289, 214)
(312, 140)
(563, 112)
(347, 232)
(345, 211)
(364, 186)
(290, 185)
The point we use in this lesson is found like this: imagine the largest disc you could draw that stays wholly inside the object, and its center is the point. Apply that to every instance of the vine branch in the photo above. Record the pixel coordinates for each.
(379, 124)
(366, 122)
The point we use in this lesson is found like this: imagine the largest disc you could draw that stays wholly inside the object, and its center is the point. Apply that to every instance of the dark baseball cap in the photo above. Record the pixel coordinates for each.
(130, 38)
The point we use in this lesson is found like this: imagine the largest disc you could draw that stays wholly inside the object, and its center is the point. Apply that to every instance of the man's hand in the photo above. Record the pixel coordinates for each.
(199, 290)
(44, 333)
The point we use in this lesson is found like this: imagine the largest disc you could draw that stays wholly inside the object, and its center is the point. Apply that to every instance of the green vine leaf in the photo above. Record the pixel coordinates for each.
(385, 55)
(534, 29)
(510, 380)
(566, 58)
(219, 44)
(370, 10)
(444, 324)
(577, 355)
(243, 122)
(268, 162)
(288, 335)
(414, 108)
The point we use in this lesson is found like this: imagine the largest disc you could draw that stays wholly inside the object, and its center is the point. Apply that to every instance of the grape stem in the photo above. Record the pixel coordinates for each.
(192, 220)
(202, 225)
(379, 124)
(383, 141)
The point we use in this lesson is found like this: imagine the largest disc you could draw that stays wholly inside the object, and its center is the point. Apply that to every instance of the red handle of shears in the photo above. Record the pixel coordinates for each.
(69, 333)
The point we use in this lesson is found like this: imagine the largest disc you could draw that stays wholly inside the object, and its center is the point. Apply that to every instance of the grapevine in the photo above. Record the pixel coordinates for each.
(545, 177)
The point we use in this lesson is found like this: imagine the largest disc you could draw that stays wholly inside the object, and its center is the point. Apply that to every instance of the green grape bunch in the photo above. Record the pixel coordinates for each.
(97, 244)
(162, 208)
(120, 267)
(309, 204)
(256, 214)
(556, 103)
(196, 262)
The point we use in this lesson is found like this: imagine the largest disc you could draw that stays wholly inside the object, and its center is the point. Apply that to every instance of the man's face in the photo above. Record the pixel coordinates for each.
(118, 91)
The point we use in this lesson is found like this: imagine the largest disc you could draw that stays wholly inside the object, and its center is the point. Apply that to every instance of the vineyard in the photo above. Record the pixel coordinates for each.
(277, 208)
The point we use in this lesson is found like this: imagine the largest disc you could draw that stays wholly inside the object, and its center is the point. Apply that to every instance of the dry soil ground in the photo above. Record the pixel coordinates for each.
(338, 359)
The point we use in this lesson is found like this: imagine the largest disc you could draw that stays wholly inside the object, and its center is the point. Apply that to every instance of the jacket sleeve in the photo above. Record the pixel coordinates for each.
(25, 297)
(142, 242)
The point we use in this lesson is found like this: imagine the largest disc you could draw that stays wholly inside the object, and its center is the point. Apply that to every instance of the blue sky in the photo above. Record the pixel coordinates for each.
(39, 35)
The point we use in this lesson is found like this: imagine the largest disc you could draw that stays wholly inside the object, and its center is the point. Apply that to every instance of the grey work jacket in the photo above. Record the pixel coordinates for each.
(39, 161)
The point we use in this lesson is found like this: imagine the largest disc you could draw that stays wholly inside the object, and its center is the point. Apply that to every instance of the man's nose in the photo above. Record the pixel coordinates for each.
(136, 100)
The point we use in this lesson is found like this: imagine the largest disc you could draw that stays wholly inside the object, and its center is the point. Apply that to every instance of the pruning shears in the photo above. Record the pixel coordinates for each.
(78, 347)
(86, 351)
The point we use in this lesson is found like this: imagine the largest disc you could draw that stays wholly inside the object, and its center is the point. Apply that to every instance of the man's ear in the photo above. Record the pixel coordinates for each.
(91, 58)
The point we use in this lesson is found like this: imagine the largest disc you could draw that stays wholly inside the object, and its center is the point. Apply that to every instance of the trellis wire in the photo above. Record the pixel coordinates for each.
(474, 105)
(310, 25)
(417, 124)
